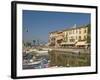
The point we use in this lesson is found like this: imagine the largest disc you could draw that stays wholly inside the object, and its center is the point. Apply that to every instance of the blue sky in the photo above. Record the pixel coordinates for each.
(40, 23)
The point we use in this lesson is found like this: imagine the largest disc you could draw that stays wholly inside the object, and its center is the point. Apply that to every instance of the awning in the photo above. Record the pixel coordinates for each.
(67, 43)
(80, 43)
(59, 38)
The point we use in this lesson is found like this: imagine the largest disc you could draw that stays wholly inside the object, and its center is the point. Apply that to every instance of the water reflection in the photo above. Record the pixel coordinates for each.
(36, 60)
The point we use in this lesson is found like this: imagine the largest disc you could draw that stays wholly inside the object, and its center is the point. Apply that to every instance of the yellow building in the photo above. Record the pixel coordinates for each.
(75, 36)
(56, 38)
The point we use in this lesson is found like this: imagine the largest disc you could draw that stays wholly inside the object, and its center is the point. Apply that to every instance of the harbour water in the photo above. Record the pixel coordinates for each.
(58, 58)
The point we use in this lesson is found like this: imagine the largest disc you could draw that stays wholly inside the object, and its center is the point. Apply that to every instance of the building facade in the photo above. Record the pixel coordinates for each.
(74, 37)
(56, 38)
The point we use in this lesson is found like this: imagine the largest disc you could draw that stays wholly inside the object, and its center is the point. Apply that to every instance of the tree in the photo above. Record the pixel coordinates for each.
(37, 42)
(34, 41)
(88, 39)
(89, 33)
(28, 44)
(89, 28)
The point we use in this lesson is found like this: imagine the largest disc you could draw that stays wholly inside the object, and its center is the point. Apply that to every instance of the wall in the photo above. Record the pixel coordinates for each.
(5, 40)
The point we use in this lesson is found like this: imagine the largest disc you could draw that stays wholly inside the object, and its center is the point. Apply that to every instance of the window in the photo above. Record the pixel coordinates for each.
(85, 37)
(73, 31)
(72, 40)
(76, 30)
(79, 31)
(84, 30)
(76, 37)
(71, 37)
(66, 33)
(79, 38)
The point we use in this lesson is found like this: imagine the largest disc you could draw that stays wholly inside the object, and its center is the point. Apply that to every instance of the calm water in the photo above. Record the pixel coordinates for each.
(34, 60)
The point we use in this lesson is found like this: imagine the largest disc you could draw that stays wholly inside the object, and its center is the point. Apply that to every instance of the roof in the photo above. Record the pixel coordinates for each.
(78, 27)
(70, 28)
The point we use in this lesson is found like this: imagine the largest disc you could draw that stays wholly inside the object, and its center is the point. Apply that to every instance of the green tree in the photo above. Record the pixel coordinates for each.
(89, 33)
(34, 42)
(28, 44)
(38, 42)
(89, 28)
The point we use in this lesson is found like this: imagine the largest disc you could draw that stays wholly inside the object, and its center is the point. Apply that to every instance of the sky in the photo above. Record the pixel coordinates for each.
(37, 24)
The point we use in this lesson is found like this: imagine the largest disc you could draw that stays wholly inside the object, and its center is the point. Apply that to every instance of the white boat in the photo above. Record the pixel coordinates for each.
(42, 51)
(33, 63)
